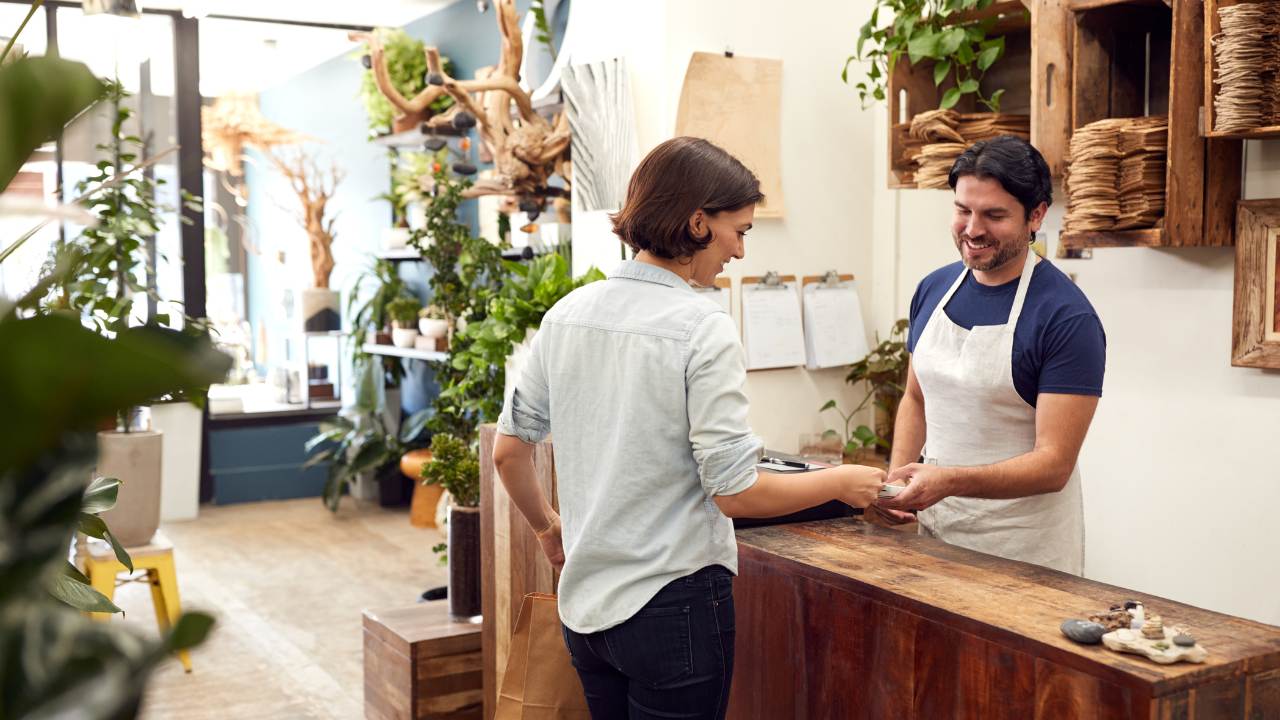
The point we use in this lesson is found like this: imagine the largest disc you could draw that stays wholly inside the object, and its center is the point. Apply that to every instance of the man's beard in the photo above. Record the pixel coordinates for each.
(1003, 254)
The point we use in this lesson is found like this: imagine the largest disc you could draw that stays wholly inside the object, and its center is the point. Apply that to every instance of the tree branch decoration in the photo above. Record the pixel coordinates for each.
(527, 148)
(314, 188)
(232, 124)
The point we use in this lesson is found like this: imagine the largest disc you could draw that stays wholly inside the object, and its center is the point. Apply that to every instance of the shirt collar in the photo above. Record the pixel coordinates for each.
(636, 270)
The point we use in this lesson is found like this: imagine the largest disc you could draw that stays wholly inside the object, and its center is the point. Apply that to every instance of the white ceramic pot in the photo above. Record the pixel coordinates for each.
(180, 459)
(403, 337)
(395, 238)
(321, 310)
(433, 328)
(136, 459)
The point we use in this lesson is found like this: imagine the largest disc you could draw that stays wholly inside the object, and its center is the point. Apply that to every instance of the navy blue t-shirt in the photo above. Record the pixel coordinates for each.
(1058, 345)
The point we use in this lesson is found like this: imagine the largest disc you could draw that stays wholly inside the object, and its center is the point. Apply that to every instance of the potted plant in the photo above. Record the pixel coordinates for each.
(929, 31)
(314, 188)
(403, 312)
(369, 319)
(858, 444)
(410, 182)
(884, 370)
(432, 322)
(456, 468)
(406, 65)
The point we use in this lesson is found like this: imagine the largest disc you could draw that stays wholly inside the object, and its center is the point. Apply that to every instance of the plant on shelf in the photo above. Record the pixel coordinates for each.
(468, 273)
(855, 441)
(357, 443)
(406, 65)
(403, 312)
(884, 370)
(525, 298)
(407, 173)
(927, 30)
(369, 319)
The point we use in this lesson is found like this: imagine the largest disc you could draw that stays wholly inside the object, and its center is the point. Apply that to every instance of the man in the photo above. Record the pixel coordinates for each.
(1005, 375)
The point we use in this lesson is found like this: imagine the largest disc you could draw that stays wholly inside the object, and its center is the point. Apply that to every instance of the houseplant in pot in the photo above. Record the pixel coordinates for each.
(432, 323)
(856, 444)
(456, 467)
(884, 370)
(403, 313)
(314, 188)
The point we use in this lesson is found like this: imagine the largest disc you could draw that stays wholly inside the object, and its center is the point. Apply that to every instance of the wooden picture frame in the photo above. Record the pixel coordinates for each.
(1255, 328)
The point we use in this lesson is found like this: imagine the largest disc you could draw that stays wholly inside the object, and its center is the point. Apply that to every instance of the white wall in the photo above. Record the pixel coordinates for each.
(826, 159)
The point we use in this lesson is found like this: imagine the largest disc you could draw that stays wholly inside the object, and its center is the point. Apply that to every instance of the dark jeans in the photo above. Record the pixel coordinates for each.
(672, 659)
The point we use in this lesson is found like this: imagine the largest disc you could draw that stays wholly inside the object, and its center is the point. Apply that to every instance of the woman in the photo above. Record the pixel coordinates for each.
(640, 380)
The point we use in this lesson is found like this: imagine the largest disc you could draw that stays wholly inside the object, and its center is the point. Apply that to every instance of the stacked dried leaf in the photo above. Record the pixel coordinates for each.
(946, 134)
(1116, 174)
(934, 164)
(1247, 54)
(1141, 184)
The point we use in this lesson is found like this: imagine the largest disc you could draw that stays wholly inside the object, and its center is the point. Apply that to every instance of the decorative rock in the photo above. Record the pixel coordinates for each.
(1184, 640)
(435, 144)
(1132, 641)
(464, 121)
(464, 168)
(1153, 628)
(1114, 620)
(1084, 632)
(366, 61)
(435, 79)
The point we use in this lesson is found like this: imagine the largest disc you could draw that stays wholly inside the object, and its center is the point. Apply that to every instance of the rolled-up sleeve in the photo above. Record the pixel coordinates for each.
(723, 445)
(527, 413)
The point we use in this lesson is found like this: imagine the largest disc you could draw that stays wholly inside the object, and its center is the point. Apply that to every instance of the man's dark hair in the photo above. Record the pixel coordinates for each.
(1011, 161)
(675, 180)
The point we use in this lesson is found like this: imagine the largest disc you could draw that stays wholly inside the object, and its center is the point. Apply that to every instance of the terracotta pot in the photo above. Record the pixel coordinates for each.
(464, 562)
(134, 458)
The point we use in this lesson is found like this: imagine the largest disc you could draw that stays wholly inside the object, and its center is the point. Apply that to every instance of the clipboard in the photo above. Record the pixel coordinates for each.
(721, 293)
(834, 333)
(772, 325)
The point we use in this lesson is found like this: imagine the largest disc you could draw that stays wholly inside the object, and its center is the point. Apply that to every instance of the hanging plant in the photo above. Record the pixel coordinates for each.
(926, 30)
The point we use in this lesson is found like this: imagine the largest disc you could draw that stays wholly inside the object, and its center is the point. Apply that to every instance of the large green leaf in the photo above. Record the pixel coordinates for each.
(80, 596)
(101, 495)
(190, 630)
(94, 526)
(68, 378)
(38, 97)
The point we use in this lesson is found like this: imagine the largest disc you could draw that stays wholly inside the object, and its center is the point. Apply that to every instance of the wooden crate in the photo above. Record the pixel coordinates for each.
(1114, 76)
(911, 90)
(420, 664)
(1213, 27)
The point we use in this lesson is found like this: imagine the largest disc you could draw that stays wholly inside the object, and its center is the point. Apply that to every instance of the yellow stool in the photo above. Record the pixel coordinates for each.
(156, 558)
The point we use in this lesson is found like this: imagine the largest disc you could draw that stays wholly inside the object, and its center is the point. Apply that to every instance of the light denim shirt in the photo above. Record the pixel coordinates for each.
(639, 379)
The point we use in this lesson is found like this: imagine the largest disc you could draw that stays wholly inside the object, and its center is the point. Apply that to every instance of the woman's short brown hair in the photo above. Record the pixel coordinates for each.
(675, 180)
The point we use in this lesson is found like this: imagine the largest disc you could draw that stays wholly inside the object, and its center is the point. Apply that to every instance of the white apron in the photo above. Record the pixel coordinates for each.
(974, 416)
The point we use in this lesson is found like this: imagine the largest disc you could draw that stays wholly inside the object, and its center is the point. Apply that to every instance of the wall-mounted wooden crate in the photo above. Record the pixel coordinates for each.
(1146, 57)
(1212, 27)
(911, 89)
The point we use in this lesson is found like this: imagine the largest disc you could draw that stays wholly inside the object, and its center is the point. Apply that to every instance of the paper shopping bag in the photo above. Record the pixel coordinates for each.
(540, 683)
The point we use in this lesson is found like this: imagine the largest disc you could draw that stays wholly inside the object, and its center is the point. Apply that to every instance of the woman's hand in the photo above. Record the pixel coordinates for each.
(859, 485)
(551, 542)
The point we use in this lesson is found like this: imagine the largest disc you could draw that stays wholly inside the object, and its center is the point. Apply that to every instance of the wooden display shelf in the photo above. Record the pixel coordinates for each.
(1113, 77)
(1147, 237)
(1212, 27)
(1035, 73)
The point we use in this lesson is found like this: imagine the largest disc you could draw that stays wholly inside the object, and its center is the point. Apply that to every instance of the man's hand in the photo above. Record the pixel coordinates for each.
(926, 485)
(881, 515)
(551, 542)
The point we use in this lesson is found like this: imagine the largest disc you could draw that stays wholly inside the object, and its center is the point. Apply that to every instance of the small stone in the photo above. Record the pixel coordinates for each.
(464, 121)
(435, 79)
(1184, 640)
(464, 168)
(435, 144)
(1084, 631)
(366, 61)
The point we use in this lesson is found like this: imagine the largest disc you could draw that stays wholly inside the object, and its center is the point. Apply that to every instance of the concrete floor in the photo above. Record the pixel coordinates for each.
(287, 582)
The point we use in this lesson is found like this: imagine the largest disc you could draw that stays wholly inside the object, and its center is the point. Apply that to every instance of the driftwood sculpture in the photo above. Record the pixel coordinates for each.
(526, 148)
(314, 187)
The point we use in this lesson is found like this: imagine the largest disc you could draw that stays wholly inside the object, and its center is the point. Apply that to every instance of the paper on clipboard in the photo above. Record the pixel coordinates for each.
(720, 293)
(772, 334)
(833, 331)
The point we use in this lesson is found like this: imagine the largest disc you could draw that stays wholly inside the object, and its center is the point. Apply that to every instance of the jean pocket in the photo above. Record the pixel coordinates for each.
(653, 647)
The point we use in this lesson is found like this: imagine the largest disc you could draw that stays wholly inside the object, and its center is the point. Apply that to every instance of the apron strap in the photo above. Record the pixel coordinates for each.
(1020, 297)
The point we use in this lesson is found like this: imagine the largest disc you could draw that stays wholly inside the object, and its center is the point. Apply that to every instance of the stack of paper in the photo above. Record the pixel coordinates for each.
(937, 137)
(984, 126)
(772, 334)
(934, 164)
(1093, 170)
(1247, 55)
(833, 331)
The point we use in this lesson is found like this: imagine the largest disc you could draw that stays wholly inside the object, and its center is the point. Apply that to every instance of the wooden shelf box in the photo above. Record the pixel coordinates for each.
(1212, 27)
(1136, 58)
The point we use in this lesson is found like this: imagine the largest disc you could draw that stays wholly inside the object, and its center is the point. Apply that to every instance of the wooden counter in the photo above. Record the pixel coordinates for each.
(842, 619)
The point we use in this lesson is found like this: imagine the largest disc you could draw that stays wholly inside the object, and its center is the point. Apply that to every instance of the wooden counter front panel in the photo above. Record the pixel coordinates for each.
(817, 651)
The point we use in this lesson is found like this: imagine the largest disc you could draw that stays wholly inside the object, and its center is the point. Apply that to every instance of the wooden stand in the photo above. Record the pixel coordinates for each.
(418, 663)
(1111, 79)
